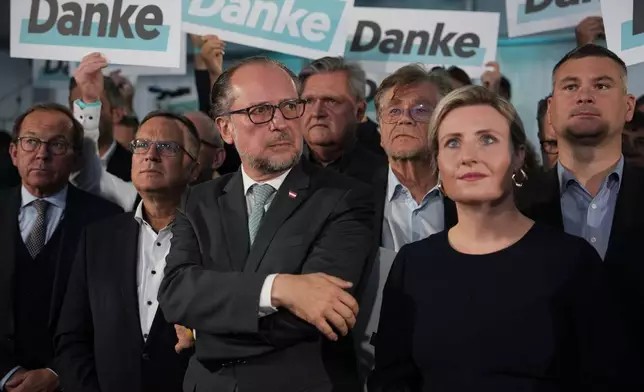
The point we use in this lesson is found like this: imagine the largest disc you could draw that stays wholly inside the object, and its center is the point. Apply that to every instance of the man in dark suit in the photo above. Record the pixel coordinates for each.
(592, 192)
(40, 223)
(9, 176)
(334, 91)
(408, 202)
(263, 261)
(116, 159)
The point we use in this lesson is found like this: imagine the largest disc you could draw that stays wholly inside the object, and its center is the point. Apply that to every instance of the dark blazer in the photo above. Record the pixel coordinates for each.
(9, 176)
(540, 200)
(120, 163)
(81, 209)
(369, 137)
(358, 162)
(99, 342)
(319, 221)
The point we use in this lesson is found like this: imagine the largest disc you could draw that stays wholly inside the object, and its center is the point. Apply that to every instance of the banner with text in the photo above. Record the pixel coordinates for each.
(373, 81)
(535, 16)
(304, 28)
(383, 43)
(624, 26)
(132, 32)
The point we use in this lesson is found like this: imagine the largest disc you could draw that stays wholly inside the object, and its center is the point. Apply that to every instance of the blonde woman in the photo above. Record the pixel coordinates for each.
(496, 303)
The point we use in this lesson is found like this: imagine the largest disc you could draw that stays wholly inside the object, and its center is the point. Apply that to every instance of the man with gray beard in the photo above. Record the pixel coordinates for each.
(263, 262)
(408, 201)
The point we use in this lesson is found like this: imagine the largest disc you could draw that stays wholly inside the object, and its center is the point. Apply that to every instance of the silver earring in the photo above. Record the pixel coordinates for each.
(517, 183)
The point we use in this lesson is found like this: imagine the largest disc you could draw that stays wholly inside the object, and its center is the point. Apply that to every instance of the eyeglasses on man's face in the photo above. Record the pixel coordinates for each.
(164, 148)
(55, 147)
(419, 113)
(264, 113)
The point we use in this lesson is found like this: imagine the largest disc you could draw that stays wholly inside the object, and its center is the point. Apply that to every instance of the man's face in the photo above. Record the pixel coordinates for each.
(169, 168)
(269, 147)
(403, 116)
(109, 115)
(210, 156)
(332, 113)
(46, 169)
(589, 104)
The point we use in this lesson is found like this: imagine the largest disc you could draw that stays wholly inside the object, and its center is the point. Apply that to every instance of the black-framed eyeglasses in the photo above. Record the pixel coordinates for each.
(549, 146)
(263, 113)
(419, 113)
(55, 147)
(165, 148)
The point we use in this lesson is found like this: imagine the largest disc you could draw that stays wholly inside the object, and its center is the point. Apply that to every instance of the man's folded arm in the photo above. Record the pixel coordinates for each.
(74, 341)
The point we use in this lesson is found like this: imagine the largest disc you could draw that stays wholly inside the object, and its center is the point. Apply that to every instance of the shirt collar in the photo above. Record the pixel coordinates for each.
(58, 199)
(566, 177)
(138, 216)
(110, 151)
(394, 186)
(275, 182)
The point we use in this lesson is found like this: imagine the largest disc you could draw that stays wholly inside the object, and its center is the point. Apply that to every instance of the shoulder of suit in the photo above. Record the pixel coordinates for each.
(215, 185)
(111, 223)
(97, 205)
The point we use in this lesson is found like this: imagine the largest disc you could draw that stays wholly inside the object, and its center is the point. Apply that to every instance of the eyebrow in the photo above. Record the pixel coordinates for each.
(479, 132)
(596, 79)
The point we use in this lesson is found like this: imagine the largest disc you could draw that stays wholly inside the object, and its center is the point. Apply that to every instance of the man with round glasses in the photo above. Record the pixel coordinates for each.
(408, 202)
(263, 261)
(40, 222)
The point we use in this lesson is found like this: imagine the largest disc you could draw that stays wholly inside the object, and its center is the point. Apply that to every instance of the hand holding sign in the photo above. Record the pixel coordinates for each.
(589, 30)
(89, 77)
(491, 79)
(212, 51)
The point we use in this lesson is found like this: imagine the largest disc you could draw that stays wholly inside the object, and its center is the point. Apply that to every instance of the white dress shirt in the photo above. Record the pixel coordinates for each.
(153, 249)
(28, 214)
(265, 303)
(105, 158)
(94, 178)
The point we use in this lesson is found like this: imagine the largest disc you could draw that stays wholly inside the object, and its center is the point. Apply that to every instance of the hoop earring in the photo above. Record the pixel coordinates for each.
(523, 179)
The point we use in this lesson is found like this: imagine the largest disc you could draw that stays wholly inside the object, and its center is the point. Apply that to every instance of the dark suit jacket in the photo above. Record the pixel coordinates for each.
(81, 209)
(540, 200)
(120, 163)
(358, 162)
(369, 137)
(319, 221)
(9, 176)
(99, 342)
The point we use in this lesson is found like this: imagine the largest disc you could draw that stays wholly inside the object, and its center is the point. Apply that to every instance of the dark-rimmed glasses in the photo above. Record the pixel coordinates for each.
(165, 148)
(264, 113)
(31, 144)
(549, 146)
(419, 113)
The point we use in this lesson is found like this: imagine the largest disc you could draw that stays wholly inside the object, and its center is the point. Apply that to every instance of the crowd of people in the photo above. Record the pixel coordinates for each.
(279, 240)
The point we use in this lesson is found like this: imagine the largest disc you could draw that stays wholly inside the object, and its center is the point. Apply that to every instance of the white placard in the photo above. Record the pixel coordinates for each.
(535, 16)
(385, 39)
(132, 32)
(624, 25)
(133, 71)
(303, 28)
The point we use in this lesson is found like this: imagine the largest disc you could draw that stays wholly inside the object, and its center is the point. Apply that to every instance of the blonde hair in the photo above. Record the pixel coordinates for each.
(470, 96)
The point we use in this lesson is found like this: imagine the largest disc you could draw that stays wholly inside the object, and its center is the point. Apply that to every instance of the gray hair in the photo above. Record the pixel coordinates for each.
(412, 74)
(357, 79)
(221, 98)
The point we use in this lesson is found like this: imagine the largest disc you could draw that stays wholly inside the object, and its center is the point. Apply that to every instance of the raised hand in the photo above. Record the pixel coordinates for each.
(89, 77)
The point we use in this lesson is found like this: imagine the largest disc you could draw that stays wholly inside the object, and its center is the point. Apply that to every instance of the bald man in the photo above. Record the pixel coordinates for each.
(211, 154)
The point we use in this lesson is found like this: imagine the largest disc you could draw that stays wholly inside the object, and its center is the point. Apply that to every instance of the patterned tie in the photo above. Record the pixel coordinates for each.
(261, 194)
(37, 236)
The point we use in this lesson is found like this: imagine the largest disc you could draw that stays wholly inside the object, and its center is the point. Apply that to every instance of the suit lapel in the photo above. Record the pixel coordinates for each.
(291, 194)
(125, 258)
(10, 232)
(234, 215)
(628, 211)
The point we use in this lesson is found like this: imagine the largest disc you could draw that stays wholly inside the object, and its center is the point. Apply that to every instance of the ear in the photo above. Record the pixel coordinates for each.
(548, 111)
(518, 159)
(361, 109)
(630, 107)
(220, 157)
(226, 129)
(13, 151)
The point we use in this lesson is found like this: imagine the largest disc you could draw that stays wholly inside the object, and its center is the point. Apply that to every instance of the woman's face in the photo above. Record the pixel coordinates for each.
(475, 155)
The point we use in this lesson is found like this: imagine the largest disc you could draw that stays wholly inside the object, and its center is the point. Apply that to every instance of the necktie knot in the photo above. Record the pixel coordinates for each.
(261, 194)
(40, 205)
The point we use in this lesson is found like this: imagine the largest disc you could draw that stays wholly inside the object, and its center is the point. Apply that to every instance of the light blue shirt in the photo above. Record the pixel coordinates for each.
(586, 216)
(406, 221)
(26, 220)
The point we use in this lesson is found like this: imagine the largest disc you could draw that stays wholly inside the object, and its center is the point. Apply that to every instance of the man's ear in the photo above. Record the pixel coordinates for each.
(220, 157)
(226, 129)
(361, 109)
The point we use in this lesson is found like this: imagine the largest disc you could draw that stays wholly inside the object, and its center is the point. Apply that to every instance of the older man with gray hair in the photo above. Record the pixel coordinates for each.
(409, 203)
(212, 153)
(334, 90)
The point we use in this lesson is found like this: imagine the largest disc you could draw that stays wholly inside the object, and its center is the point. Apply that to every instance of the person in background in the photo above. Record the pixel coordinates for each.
(40, 223)
(9, 176)
(495, 82)
(111, 336)
(368, 135)
(116, 159)
(125, 129)
(459, 77)
(334, 90)
(633, 140)
(639, 104)
(209, 63)
(484, 306)
(409, 204)
(211, 153)
(263, 275)
(547, 136)
(505, 88)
